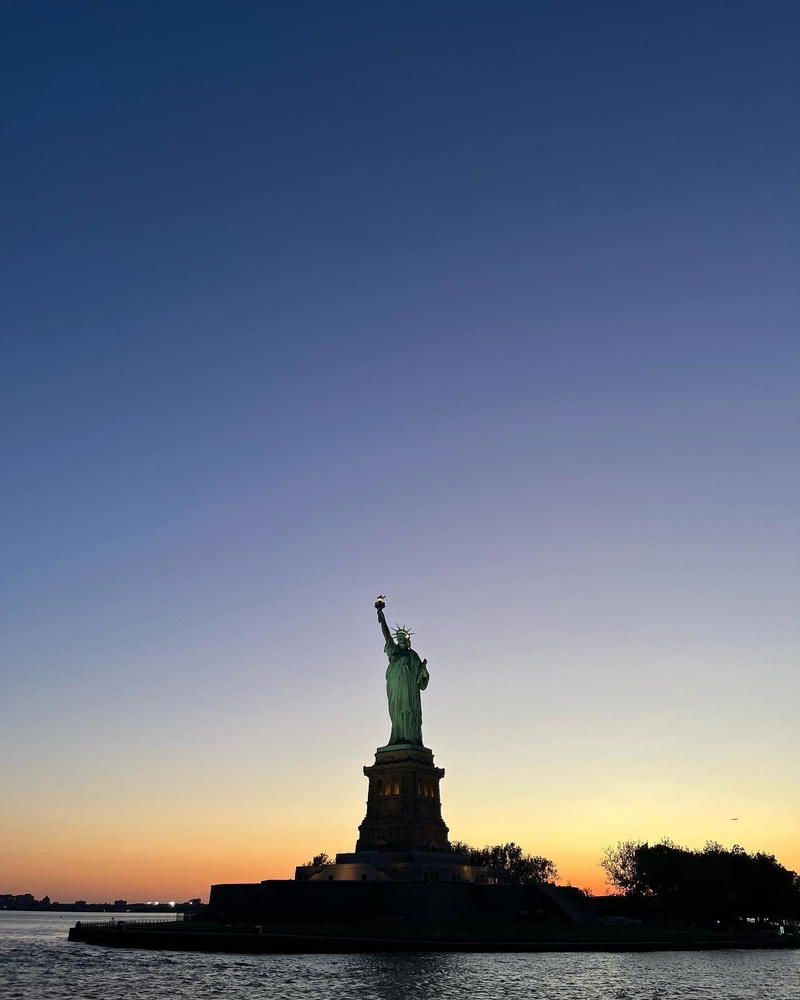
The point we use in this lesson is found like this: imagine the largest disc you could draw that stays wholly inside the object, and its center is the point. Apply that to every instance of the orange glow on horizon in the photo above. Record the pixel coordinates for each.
(182, 865)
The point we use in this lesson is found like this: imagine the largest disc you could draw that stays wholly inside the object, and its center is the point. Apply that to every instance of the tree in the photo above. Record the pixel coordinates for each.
(318, 862)
(510, 860)
(712, 884)
(622, 867)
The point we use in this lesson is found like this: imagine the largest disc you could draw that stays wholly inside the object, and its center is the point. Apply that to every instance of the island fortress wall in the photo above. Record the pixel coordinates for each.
(310, 901)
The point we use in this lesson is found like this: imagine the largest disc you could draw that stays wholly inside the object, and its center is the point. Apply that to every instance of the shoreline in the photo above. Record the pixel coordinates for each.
(258, 939)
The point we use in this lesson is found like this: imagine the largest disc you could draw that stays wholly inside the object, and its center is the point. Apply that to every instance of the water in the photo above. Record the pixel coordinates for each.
(38, 963)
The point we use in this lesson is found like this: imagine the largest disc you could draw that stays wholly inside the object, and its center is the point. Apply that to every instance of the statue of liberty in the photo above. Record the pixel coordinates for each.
(406, 676)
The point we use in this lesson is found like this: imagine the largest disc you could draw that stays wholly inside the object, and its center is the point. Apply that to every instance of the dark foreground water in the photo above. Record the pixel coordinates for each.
(38, 963)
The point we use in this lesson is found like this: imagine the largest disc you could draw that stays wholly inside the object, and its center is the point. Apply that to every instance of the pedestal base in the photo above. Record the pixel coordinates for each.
(404, 746)
(405, 866)
(404, 811)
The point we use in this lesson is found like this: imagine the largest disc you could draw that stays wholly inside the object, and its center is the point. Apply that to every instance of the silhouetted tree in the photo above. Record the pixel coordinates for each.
(510, 861)
(319, 861)
(714, 883)
(622, 867)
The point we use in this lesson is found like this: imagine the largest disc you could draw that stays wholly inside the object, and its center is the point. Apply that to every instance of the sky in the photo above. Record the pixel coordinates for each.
(490, 308)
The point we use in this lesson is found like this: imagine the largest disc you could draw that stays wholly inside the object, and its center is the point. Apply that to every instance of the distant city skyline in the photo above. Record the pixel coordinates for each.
(489, 308)
(27, 901)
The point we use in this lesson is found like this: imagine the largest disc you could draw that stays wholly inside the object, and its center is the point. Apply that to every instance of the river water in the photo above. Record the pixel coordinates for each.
(38, 963)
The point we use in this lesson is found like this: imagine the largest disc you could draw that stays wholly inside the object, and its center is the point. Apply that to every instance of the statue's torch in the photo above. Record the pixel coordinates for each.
(380, 603)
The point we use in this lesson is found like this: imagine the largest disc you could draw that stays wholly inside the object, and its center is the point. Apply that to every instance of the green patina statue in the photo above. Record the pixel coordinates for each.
(406, 676)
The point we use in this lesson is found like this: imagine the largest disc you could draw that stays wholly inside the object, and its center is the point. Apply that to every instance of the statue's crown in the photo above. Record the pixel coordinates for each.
(401, 630)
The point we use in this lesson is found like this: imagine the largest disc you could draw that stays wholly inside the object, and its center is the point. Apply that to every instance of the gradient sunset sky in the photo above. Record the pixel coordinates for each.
(489, 307)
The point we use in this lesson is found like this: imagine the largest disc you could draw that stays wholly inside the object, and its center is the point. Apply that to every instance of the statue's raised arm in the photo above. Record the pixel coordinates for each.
(379, 605)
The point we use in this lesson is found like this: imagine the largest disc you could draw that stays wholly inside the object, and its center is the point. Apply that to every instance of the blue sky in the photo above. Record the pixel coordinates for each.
(490, 308)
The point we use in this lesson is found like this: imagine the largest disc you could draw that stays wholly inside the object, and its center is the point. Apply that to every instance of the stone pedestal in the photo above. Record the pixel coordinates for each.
(403, 837)
(404, 810)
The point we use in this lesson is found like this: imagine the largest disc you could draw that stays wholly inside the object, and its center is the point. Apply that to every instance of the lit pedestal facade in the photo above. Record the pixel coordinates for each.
(403, 837)
(404, 810)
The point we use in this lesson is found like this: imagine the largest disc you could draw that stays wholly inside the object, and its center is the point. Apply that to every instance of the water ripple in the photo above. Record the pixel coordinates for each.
(37, 963)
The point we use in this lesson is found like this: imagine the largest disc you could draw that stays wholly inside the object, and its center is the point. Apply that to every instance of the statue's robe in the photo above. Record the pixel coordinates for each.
(406, 676)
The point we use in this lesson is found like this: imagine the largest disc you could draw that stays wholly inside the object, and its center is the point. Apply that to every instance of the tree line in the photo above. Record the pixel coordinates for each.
(509, 861)
(714, 883)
